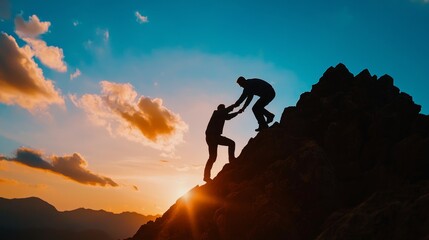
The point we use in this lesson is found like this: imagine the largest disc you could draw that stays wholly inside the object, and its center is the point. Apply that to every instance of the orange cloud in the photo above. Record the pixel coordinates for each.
(144, 120)
(29, 31)
(72, 166)
(21, 80)
(6, 180)
(50, 56)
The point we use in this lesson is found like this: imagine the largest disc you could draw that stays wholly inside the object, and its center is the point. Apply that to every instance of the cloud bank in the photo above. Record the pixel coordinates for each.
(72, 166)
(143, 120)
(21, 80)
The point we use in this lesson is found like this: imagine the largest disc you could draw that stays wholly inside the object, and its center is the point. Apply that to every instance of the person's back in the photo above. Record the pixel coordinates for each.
(258, 87)
(217, 121)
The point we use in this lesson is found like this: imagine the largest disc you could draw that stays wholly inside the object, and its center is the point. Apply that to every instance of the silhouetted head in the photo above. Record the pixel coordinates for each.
(221, 107)
(241, 81)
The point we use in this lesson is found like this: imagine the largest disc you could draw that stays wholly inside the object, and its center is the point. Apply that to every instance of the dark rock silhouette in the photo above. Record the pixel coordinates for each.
(349, 161)
(33, 218)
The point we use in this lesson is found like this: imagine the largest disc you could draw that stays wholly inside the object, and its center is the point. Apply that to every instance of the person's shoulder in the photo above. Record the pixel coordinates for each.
(219, 112)
(215, 112)
(255, 80)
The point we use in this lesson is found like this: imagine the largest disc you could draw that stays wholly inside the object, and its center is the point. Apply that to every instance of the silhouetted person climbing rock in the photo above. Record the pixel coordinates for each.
(214, 136)
(266, 94)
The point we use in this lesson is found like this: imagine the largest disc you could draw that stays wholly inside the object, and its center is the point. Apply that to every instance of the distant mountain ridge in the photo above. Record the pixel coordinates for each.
(33, 218)
(349, 161)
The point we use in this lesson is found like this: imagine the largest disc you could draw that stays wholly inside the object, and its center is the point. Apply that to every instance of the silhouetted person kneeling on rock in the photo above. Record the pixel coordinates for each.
(266, 94)
(214, 137)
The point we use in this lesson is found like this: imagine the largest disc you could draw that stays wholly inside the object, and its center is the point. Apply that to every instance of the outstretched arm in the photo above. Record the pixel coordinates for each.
(230, 108)
(232, 115)
(248, 100)
(241, 99)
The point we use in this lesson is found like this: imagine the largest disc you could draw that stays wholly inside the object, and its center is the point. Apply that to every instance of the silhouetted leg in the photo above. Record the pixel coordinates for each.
(258, 110)
(270, 116)
(212, 144)
(224, 141)
(266, 100)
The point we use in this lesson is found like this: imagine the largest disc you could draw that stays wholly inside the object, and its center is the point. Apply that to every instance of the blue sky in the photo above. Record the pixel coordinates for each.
(181, 58)
(303, 37)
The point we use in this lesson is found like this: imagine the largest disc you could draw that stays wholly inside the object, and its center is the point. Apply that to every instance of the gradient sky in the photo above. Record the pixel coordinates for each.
(104, 104)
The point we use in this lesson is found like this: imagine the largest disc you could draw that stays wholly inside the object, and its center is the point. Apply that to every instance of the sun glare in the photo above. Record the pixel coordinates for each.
(187, 196)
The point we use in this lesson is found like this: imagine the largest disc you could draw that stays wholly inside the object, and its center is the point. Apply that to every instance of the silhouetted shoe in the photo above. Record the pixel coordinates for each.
(260, 128)
(207, 179)
(270, 118)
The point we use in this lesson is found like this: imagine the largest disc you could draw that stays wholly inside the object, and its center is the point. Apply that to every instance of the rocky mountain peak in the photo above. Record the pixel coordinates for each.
(350, 159)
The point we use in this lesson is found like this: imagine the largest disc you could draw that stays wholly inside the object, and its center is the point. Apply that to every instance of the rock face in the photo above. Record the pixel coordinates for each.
(349, 161)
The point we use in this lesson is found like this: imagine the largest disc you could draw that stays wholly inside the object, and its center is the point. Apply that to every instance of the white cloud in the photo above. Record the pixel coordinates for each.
(142, 119)
(99, 45)
(104, 33)
(140, 18)
(76, 74)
